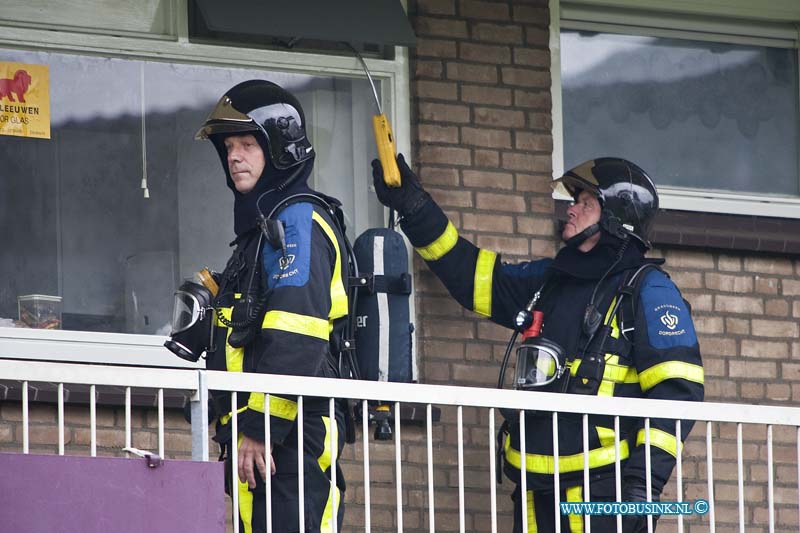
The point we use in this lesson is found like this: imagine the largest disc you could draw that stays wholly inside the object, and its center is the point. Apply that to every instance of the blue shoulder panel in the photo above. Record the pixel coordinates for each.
(294, 270)
(669, 323)
(527, 269)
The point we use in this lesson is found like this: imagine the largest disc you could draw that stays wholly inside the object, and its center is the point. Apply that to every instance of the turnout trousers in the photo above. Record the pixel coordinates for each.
(542, 514)
(320, 508)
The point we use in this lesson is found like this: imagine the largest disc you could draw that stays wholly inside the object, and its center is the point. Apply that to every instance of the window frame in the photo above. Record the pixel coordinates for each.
(148, 350)
(778, 28)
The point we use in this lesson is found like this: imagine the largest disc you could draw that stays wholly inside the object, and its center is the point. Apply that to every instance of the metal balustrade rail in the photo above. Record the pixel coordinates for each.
(201, 381)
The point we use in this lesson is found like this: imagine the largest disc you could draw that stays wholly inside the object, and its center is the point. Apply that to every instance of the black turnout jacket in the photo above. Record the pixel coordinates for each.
(657, 355)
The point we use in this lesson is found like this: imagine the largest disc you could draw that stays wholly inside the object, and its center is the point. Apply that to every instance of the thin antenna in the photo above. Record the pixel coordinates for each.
(369, 77)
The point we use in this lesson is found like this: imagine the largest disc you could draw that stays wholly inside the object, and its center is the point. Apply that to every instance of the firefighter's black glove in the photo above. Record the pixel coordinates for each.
(636, 491)
(407, 199)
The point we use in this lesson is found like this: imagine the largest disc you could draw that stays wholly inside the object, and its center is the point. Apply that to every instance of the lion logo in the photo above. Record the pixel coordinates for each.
(17, 85)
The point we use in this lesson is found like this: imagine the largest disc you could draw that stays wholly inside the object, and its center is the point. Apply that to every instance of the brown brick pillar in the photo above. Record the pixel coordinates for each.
(481, 143)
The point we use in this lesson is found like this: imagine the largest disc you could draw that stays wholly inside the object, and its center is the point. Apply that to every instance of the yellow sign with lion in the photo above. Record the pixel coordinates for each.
(24, 100)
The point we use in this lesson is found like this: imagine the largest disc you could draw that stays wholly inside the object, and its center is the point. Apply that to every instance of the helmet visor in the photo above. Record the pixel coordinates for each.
(576, 180)
(281, 124)
(226, 119)
(186, 311)
(537, 365)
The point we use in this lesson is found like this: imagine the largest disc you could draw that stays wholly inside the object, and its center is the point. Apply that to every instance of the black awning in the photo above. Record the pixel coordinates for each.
(381, 22)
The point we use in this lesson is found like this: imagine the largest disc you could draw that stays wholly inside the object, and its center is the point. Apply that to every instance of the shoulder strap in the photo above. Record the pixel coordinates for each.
(332, 209)
(631, 289)
(239, 262)
(342, 338)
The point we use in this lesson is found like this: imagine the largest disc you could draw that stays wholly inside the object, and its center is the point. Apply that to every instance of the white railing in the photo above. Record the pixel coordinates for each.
(715, 416)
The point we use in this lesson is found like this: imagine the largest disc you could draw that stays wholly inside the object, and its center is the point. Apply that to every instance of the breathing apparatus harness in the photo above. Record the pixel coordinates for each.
(342, 339)
(196, 306)
(531, 372)
(273, 231)
(249, 309)
(343, 335)
(529, 321)
(541, 362)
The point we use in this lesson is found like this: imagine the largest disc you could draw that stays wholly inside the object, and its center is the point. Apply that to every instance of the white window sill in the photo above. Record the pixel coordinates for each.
(89, 347)
(732, 204)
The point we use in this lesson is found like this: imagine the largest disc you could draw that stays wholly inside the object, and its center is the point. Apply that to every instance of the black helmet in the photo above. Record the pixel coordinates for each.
(627, 195)
(268, 112)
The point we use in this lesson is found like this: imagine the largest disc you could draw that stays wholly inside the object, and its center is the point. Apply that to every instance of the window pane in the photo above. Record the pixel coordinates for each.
(692, 114)
(75, 219)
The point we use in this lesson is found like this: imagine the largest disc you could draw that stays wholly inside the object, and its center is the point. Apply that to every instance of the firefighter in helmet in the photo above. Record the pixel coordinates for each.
(645, 346)
(281, 296)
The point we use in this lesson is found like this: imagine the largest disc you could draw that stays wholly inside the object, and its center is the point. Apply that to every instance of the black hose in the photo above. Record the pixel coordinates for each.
(502, 378)
(281, 187)
(351, 322)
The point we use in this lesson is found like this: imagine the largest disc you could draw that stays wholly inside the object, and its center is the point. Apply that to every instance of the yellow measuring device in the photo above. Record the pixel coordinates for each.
(384, 139)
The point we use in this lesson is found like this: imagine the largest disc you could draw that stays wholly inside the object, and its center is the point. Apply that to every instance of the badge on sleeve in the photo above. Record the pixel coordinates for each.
(292, 270)
(669, 323)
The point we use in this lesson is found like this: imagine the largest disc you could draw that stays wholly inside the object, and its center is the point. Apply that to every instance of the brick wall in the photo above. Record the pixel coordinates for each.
(481, 139)
(481, 121)
(110, 431)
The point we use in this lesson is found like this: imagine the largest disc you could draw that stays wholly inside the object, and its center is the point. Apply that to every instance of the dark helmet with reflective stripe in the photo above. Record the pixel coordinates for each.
(627, 195)
(266, 111)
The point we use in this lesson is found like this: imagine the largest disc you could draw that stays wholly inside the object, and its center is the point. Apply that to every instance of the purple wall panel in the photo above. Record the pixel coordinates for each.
(55, 494)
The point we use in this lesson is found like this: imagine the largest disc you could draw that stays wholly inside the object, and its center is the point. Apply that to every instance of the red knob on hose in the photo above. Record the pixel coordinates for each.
(536, 326)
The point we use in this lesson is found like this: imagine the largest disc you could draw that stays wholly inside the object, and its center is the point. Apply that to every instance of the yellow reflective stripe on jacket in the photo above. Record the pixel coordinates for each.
(234, 357)
(613, 371)
(443, 244)
(280, 407)
(256, 401)
(660, 439)
(605, 435)
(607, 384)
(338, 292)
(482, 293)
(606, 388)
(614, 327)
(670, 370)
(575, 494)
(620, 373)
(544, 464)
(573, 366)
(224, 419)
(295, 323)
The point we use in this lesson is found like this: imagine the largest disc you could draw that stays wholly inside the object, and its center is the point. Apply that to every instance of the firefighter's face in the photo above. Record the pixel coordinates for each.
(245, 161)
(581, 214)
